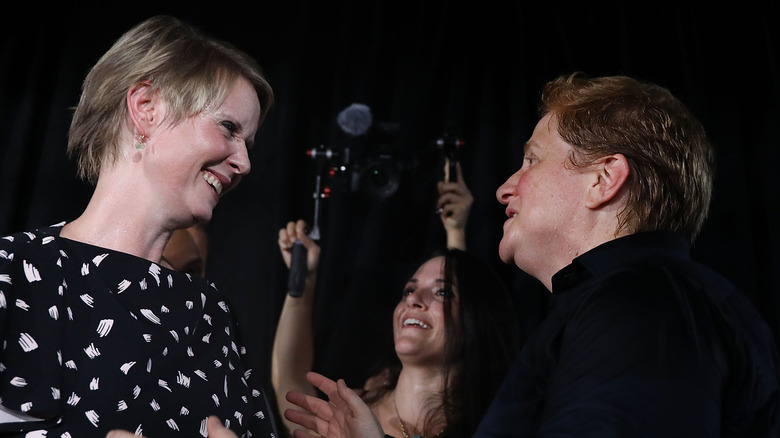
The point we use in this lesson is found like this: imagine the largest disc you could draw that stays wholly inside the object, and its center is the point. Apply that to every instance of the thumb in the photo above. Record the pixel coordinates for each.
(216, 429)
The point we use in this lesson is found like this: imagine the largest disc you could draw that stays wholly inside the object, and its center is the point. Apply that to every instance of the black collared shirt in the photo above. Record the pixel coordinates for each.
(642, 341)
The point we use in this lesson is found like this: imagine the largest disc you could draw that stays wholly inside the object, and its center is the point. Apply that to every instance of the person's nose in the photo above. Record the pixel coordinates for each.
(416, 299)
(239, 160)
(507, 190)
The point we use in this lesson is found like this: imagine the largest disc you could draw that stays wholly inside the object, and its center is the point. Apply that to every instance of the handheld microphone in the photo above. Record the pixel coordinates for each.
(297, 280)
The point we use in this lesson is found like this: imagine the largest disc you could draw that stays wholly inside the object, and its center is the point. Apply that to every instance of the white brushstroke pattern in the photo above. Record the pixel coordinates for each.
(31, 272)
(104, 327)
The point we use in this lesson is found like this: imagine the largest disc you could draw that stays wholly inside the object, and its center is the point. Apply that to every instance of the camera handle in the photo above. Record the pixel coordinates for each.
(451, 146)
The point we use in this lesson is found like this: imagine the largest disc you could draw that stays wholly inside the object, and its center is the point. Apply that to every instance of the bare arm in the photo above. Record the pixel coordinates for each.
(293, 351)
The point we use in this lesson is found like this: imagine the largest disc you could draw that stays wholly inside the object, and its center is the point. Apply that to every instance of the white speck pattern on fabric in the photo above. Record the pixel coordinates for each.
(95, 340)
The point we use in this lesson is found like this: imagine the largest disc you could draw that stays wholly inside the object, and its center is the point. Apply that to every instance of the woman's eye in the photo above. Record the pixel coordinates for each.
(407, 291)
(441, 292)
(529, 159)
(230, 126)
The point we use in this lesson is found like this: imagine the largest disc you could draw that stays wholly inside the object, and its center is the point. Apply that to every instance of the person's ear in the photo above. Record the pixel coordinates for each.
(143, 107)
(610, 173)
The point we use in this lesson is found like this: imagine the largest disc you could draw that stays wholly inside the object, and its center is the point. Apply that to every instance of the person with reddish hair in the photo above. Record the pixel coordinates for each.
(640, 340)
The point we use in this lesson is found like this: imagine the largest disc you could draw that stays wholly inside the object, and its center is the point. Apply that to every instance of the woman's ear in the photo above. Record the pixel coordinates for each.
(610, 174)
(142, 107)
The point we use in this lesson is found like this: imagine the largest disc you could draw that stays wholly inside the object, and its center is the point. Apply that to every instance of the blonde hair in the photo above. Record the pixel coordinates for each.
(190, 70)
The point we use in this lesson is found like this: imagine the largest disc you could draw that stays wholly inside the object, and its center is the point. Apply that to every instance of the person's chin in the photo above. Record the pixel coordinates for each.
(505, 252)
(203, 216)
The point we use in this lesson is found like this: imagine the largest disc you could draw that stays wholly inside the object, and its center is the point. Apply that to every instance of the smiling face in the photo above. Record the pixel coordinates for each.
(544, 205)
(418, 321)
(205, 156)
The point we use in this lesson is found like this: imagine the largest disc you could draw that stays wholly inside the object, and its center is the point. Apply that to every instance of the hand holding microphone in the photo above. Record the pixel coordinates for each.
(298, 270)
(300, 253)
(453, 208)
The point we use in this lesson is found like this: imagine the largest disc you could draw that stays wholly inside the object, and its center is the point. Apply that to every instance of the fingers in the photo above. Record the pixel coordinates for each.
(311, 404)
(302, 419)
(324, 409)
(343, 414)
(453, 197)
(120, 434)
(454, 192)
(353, 401)
(300, 229)
(312, 248)
(339, 394)
(297, 231)
(302, 400)
(459, 181)
(293, 232)
(325, 384)
(216, 429)
(459, 173)
(287, 236)
(452, 203)
(457, 189)
(298, 433)
(316, 413)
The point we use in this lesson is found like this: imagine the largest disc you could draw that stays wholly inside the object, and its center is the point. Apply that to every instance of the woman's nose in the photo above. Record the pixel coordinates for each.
(239, 161)
(415, 299)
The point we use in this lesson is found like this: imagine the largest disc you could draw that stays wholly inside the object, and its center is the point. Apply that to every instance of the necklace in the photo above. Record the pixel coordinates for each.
(403, 428)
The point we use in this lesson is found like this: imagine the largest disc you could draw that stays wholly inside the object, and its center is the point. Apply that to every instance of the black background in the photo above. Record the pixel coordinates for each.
(474, 70)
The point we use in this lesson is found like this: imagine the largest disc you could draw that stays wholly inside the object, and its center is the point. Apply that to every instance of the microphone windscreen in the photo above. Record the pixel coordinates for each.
(355, 119)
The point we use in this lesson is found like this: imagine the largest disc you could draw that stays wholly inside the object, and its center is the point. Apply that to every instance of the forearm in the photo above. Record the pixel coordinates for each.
(293, 350)
(456, 238)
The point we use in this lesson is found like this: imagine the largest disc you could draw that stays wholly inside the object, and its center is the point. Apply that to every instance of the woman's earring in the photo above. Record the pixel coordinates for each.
(139, 142)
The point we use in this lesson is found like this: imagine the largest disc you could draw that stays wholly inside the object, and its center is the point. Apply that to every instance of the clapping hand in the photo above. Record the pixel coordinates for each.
(213, 425)
(343, 415)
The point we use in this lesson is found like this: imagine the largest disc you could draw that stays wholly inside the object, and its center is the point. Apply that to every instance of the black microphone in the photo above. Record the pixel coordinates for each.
(298, 270)
(355, 119)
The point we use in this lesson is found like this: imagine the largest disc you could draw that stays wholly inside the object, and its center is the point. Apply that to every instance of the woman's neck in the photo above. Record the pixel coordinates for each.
(110, 222)
(417, 393)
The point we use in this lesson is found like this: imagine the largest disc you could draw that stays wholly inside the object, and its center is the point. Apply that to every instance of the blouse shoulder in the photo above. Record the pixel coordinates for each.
(40, 236)
(29, 247)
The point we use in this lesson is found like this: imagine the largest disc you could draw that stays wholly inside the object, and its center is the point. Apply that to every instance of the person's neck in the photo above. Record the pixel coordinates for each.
(115, 221)
(589, 240)
(416, 389)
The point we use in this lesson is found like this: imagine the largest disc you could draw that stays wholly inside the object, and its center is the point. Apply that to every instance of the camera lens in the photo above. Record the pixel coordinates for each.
(377, 177)
(380, 177)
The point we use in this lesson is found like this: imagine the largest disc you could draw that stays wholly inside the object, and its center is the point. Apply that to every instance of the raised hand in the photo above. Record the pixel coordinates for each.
(293, 232)
(454, 205)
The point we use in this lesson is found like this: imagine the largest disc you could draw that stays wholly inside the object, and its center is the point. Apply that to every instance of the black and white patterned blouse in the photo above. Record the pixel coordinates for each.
(95, 340)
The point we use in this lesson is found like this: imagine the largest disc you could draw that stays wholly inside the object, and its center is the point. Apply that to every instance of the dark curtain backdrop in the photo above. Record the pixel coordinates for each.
(425, 68)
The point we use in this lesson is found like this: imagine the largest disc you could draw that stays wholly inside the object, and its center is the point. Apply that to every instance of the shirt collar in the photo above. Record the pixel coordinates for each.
(619, 252)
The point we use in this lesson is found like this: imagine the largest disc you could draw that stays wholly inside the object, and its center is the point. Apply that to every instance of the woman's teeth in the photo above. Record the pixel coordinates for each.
(213, 181)
(412, 321)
